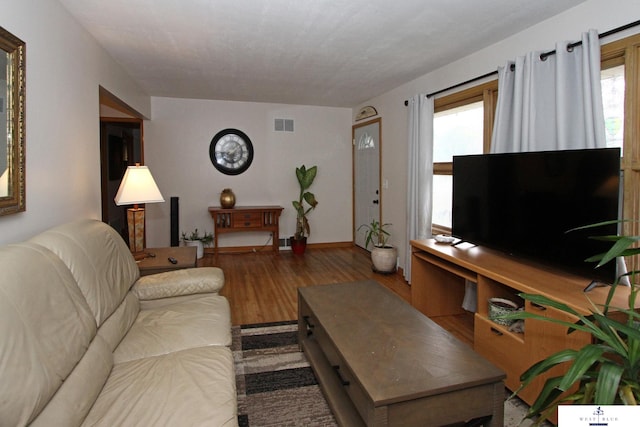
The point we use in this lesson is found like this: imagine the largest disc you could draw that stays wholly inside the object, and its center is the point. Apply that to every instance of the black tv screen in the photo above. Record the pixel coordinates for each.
(523, 204)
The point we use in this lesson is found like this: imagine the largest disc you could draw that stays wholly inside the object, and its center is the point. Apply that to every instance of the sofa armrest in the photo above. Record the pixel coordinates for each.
(174, 283)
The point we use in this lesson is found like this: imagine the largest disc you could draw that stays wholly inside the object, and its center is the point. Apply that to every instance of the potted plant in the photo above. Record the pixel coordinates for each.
(383, 256)
(606, 372)
(305, 204)
(195, 239)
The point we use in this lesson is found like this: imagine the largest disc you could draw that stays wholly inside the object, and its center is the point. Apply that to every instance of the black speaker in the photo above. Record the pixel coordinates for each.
(175, 240)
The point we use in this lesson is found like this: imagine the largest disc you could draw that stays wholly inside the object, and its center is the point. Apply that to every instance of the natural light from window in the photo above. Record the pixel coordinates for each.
(612, 81)
(457, 131)
(442, 200)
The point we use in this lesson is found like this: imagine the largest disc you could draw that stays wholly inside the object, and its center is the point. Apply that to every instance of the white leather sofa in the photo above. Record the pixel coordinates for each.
(85, 341)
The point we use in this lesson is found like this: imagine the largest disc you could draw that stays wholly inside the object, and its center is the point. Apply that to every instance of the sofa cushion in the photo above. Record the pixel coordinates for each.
(193, 387)
(118, 324)
(99, 260)
(196, 322)
(187, 281)
(73, 400)
(46, 327)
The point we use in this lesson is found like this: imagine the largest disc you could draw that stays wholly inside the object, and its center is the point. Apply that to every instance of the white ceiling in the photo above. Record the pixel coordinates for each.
(312, 52)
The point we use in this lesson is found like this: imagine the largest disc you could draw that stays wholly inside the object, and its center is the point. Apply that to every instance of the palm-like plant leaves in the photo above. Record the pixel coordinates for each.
(305, 179)
(607, 383)
(306, 176)
(607, 371)
(375, 231)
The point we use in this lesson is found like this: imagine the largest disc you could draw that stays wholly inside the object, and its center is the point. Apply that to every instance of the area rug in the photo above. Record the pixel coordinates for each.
(276, 386)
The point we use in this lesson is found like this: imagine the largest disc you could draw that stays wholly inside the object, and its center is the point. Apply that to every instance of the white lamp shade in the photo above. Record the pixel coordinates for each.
(138, 186)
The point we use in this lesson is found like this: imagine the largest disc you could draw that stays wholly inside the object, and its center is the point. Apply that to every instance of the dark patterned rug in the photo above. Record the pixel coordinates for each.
(276, 386)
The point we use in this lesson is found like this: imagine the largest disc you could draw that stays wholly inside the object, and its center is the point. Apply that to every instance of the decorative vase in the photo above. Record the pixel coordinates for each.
(500, 306)
(227, 199)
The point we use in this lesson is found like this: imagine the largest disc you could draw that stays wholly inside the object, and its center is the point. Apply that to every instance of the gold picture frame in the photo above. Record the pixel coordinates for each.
(12, 120)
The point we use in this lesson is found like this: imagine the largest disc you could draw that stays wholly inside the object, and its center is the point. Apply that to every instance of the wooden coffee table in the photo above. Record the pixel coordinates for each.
(380, 362)
(184, 255)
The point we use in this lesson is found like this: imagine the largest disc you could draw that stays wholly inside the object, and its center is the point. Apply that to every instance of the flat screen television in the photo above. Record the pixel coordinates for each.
(523, 204)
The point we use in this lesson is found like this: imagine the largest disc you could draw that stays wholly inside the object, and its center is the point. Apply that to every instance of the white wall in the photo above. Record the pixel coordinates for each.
(603, 15)
(177, 153)
(64, 68)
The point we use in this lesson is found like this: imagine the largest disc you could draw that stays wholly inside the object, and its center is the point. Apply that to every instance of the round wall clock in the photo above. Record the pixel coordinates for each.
(231, 151)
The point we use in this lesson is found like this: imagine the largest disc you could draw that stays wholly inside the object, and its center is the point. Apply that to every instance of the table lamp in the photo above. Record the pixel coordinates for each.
(137, 187)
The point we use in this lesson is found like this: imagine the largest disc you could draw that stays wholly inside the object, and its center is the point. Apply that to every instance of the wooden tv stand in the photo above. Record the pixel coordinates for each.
(438, 275)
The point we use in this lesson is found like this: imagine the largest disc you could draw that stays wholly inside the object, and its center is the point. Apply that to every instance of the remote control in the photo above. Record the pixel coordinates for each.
(172, 260)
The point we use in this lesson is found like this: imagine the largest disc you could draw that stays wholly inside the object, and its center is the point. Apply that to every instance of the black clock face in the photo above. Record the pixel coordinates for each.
(231, 151)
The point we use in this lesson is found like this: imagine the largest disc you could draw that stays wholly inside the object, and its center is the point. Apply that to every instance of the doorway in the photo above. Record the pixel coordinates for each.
(366, 176)
(120, 146)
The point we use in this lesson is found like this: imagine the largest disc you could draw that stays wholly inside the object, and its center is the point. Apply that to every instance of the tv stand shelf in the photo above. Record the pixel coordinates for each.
(448, 266)
(438, 277)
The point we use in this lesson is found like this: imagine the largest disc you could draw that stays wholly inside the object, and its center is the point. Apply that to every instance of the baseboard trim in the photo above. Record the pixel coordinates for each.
(269, 248)
(238, 249)
(329, 245)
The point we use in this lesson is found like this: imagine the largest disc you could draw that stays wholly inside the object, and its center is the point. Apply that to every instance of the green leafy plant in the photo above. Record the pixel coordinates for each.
(607, 371)
(376, 234)
(206, 238)
(305, 179)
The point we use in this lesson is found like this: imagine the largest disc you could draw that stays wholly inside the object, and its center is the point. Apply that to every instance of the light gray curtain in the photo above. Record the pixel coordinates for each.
(420, 174)
(551, 104)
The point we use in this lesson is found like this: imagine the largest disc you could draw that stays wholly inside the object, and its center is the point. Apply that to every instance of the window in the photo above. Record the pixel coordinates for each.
(462, 125)
(612, 82)
(457, 131)
(366, 142)
(465, 118)
(620, 80)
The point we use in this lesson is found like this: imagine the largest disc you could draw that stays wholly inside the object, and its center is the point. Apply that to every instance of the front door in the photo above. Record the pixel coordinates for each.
(366, 173)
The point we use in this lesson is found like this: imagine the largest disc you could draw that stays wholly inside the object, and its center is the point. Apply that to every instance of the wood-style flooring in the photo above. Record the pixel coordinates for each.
(262, 286)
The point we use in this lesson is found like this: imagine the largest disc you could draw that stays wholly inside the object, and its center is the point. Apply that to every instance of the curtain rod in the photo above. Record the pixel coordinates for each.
(543, 56)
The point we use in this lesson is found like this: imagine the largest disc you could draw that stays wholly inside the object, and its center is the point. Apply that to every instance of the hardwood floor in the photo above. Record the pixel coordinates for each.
(262, 286)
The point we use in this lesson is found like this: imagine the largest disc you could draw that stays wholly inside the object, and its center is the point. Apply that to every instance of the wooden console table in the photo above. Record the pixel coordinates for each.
(246, 218)
(380, 362)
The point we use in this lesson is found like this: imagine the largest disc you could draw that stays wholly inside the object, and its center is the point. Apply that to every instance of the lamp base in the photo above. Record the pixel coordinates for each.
(135, 222)
(139, 256)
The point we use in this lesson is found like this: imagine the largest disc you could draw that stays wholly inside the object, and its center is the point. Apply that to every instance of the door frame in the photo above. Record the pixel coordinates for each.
(114, 111)
(107, 164)
(353, 171)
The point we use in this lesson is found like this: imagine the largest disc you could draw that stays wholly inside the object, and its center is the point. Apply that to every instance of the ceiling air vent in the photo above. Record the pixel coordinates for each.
(283, 125)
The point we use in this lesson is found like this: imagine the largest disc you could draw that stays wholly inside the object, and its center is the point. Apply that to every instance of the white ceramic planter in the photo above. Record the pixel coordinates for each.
(384, 259)
(198, 244)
